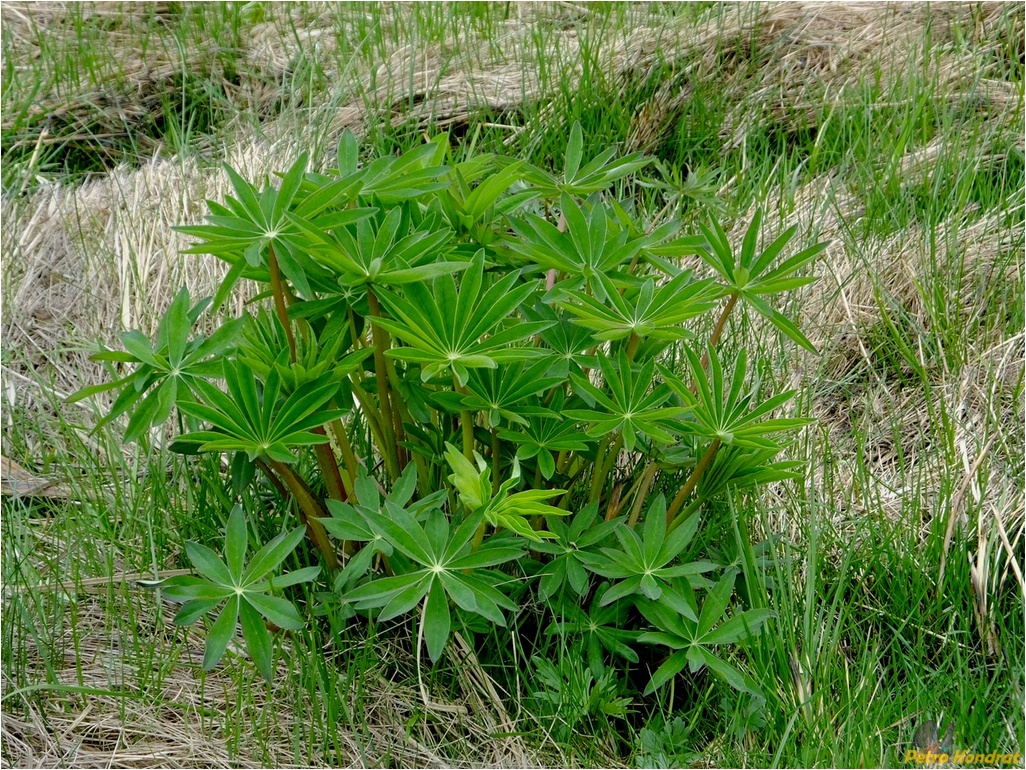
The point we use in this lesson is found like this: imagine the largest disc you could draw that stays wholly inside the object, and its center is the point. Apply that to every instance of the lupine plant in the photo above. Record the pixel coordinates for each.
(479, 389)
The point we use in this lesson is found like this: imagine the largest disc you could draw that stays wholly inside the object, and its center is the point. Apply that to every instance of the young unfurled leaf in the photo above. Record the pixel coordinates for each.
(504, 509)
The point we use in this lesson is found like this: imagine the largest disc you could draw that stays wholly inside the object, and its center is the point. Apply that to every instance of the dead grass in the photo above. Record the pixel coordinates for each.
(93, 712)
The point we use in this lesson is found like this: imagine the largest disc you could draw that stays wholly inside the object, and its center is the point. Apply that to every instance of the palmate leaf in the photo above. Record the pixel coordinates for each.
(320, 359)
(602, 627)
(747, 273)
(259, 424)
(455, 331)
(592, 245)
(582, 179)
(383, 250)
(568, 341)
(444, 556)
(626, 404)
(566, 568)
(741, 467)
(544, 434)
(168, 368)
(722, 410)
(257, 220)
(647, 311)
(500, 394)
(644, 565)
(693, 638)
(247, 590)
(474, 211)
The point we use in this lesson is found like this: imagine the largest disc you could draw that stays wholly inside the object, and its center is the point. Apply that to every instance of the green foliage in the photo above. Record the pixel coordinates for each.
(692, 636)
(442, 556)
(644, 564)
(248, 589)
(247, 420)
(167, 368)
(455, 329)
(476, 353)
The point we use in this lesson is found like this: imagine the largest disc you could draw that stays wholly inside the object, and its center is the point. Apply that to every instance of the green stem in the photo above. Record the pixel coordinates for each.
(310, 510)
(597, 479)
(686, 514)
(466, 422)
(647, 477)
(691, 483)
(278, 290)
(371, 412)
(496, 461)
(476, 542)
(607, 453)
(348, 456)
(388, 452)
(632, 346)
(722, 322)
(400, 413)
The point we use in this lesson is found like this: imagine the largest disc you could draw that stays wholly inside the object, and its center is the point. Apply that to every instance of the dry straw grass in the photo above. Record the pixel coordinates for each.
(82, 261)
(113, 703)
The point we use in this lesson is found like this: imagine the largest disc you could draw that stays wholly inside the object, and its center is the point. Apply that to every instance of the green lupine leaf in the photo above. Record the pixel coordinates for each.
(258, 639)
(208, 564)
(574, 150)
(188, 587)
(672, 641)
(220, 633)
(303, 575)
(715, 604)
(346, 523)
(272, 554)
(726, 672)
(408, 598)
(406, 534)
(673, 666)
(235, 543)
(195, 609)
(380, 591)
(436, 621)
(738, 627)
(620, 590)
(279, 611)
(655, 532)
(489, 556)
(781, 322)
(489, 599)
